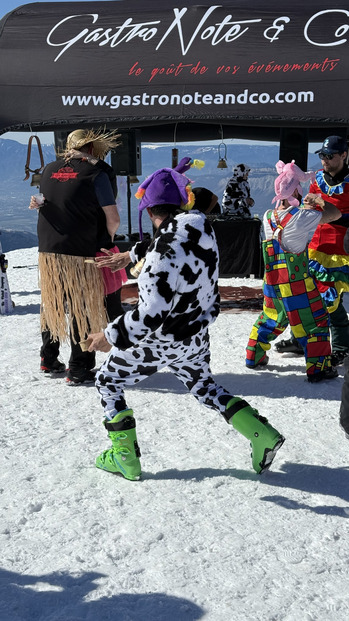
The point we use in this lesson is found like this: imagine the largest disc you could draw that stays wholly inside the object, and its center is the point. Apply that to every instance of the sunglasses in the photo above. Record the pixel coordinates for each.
(326, 156)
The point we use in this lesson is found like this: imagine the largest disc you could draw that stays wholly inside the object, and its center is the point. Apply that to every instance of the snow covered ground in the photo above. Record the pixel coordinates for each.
(201, 536)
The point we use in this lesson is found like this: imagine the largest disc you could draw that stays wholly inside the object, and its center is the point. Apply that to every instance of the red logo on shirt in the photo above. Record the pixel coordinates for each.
(64, 174)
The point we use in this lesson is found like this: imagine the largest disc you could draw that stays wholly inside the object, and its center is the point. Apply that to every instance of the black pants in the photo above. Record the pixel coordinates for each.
(79, 360)
(344, 409)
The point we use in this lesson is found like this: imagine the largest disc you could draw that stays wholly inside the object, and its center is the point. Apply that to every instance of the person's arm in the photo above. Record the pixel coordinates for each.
(329, 211)
(115, 261)
(112, 219)
(98, 342)
(105, 197)
(122, 259)
(227, 195)
(243, 191)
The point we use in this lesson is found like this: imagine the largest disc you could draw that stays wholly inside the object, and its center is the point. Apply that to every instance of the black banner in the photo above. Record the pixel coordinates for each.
(131, 62)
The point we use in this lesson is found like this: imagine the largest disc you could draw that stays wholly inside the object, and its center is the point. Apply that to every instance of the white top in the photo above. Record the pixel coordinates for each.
(298, 231)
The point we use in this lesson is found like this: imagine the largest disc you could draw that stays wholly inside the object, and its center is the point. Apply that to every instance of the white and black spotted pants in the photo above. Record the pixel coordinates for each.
(188, 360)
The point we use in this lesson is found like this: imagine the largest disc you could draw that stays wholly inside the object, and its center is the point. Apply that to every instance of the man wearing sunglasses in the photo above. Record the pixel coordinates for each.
(328, 258)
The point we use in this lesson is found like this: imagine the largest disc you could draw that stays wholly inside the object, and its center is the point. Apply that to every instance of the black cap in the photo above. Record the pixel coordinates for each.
(333, 144)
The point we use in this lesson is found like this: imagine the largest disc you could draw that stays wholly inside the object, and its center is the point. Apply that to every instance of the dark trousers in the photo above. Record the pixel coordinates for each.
(344, 409)
(79, 359)
(339, 326)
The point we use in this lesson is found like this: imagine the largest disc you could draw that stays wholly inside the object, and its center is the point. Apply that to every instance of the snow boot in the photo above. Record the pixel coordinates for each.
(326, 374)
(81, 376)
(289, 346)
(124, 455)
(56, 367)
(338, 357)
(265, 440)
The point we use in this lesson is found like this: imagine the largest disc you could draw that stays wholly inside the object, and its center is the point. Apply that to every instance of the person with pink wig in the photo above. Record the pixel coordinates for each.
(290, 294)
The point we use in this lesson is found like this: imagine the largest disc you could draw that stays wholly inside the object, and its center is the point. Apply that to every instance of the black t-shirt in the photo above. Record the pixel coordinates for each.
(71, 221)
(337, 178)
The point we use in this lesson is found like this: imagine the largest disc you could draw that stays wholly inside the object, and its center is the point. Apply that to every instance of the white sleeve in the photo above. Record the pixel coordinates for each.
(299, 230)
(268, 233)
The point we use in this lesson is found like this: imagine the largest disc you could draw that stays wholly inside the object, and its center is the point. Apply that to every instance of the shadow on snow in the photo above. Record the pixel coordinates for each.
(63, 597)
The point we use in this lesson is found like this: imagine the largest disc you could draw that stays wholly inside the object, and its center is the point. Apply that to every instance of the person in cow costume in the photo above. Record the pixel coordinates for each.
(237, 199)
(178, 300)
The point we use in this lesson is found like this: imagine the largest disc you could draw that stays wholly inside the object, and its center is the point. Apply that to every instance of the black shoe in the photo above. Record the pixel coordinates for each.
(327, 374)
(55, 367)
(289, 346)
(337, 357)
(83, 376)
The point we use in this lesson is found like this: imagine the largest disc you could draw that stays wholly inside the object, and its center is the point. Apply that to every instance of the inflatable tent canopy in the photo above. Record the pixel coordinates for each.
(251, 70)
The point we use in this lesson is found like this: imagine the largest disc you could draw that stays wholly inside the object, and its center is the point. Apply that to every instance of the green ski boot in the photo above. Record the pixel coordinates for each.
(265, 440)
(124, 455)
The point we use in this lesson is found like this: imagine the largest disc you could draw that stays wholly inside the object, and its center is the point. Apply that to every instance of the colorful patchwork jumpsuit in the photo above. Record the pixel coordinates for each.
(290, 298)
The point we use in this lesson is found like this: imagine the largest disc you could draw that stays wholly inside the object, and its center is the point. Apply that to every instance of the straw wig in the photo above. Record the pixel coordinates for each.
(102, 142)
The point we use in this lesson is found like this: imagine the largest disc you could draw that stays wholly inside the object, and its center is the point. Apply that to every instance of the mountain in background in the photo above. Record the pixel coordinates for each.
(18, 223)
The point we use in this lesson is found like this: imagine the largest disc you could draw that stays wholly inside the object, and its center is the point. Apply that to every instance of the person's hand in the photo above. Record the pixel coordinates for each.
(312, 201)
(115, 261)
(98, 342)
(34, 202)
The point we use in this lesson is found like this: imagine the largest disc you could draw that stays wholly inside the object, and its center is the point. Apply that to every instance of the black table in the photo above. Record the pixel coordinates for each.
(239, 244)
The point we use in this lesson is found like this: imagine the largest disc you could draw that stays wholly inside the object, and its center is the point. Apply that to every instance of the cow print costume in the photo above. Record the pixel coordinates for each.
(178, 300)
(236, 198)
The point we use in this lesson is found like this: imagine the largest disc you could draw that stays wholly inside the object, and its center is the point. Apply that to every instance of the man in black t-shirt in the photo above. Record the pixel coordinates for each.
(78, 218)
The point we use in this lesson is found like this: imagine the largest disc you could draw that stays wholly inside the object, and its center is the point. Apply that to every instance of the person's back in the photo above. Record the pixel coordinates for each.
(178, 285)
(71, 221)
(300, 227)
(290, 295)
(236, 199)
